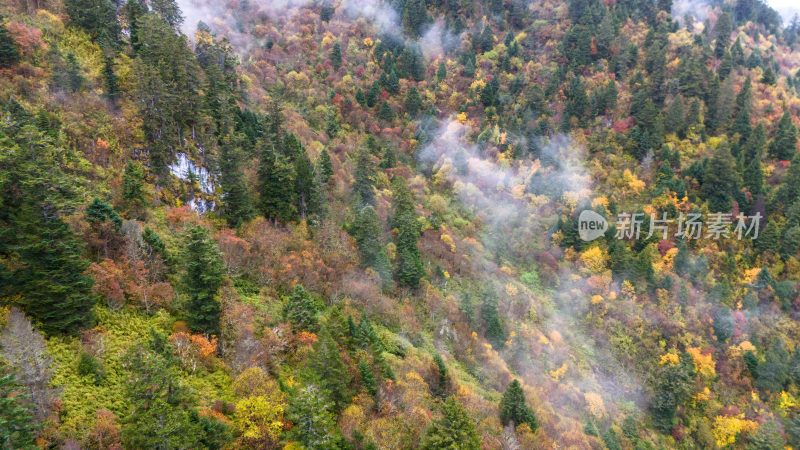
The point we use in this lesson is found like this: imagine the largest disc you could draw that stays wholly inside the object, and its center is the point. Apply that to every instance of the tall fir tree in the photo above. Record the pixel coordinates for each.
(722, 31)
(719, 180)
(454, 430)
(9, 49)
(495, 333)
(158, 396)
(97, 17)
(313, 419)
(410, 269)
(513, 407)
(205, 271)
(326, 362)
(741, 123)
(168, 10)
(784, 145)
(133, 11)
(300, 310)
(276, 182)
(237, 207)
(361, 99)
(17, 427)
(363, 184)
(304, 185)
(54, 289)
(44, 257)
(415, 16)
(133, 185)
(367, 232)
(325, 166)
(336, 56)
(441, 72)
(367, 377)
(110, 80)
(413, 102)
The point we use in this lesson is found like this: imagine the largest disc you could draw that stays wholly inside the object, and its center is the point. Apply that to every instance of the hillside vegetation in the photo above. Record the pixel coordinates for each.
(335, 224)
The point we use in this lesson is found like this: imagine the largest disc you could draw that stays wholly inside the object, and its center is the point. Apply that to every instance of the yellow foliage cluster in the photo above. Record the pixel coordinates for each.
(518, 191)
(704, 395)
(669, 257)
(328, 40)
(259, 415)
(511, 290)
(595, 405)
(726, 428)
(597, 299)
(669, 359)
(703, 363)
(477, 84)
(602, 200)
(787, 401)
(203, 37)
(570, 199)
(259, 419)
(595, 259)
(449, 241)
(636, 185)
(508, 270)
(558, 373)
(628, 291)
(741, 349)
(750, 275)
(298, 79)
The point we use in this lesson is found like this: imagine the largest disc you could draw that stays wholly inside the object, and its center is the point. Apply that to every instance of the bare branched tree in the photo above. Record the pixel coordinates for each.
(25, 350)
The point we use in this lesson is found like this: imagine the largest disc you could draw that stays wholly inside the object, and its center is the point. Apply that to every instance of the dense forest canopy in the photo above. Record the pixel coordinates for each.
(324, 224)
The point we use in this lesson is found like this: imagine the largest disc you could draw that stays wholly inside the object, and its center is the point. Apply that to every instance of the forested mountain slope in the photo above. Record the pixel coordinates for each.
(339, 224)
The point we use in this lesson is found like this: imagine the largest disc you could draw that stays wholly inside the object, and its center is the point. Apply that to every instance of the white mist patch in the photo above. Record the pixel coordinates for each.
(499, 189)
(437, 40)
(786, 8)
(378, 13)
(699, 9)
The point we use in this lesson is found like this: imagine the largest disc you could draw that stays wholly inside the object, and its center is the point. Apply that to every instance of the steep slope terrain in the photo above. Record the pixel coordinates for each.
(339, 224)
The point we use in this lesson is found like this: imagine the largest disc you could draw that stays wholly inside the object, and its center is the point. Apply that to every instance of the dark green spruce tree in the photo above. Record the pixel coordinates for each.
(513, 407)
(454, 430)
(304, 185)
(784, 145)
(367, 232)
(409, 270)
(363, 184)
(47, 265)
(205, 271)
(719, 180)
(495, 333)
(9, 49)
(413, 102)
(110, 81)
(336, 56)
(327, 364)
(300, 310)
(276, 187)
(17, 426)
(236, 207)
